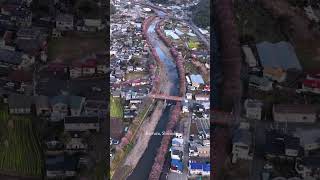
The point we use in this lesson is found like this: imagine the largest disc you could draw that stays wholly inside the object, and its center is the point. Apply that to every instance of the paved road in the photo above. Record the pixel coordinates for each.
(186, 135)
(199, 34)
(176, 176)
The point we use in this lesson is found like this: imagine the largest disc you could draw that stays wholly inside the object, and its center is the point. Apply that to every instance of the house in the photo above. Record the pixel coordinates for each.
(89, 67)
(280, 145)
(42, 105)
(20, 104)
(76, 144)
(177, 142)
(309, 139)
(101, 63)
(59, 106)
(241, 145)
(295, 113)
(203, 151)
(249, 57)
(196, 80)
(275, 74)
(93, 24)
(261, 83)
(64, 22)
(202, 97)
(176, 154)
(61, 166)
(96, 108)
(308, 166)
(10, 58)
(185, 108)
(21, 76)
(79, 69)
(31, 40)
(311, 85)
(253, 109)
(82, 123)
(76, 70)
(176, 166)
(189, 96)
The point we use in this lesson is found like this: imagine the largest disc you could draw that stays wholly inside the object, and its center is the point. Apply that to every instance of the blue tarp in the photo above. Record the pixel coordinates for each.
(176, 163)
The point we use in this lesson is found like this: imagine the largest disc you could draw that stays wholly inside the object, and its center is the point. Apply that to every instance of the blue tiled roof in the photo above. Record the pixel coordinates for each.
(202, 166)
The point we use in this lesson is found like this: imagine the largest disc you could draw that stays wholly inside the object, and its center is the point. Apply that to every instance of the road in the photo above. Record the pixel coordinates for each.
(198, 33)
(186, 135)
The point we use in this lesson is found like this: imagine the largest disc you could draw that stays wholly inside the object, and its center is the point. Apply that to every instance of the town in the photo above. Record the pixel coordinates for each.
(160, 91)
(53, 72)
(266, 121)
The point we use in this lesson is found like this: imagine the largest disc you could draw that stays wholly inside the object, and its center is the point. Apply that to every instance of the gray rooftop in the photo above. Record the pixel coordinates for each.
(11, 57)
(278, 55)
(20, 101)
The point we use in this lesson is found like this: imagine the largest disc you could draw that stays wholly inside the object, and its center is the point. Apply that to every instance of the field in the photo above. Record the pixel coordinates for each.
(20, 149)
(193, 44)
(76, 45)
(115, 108)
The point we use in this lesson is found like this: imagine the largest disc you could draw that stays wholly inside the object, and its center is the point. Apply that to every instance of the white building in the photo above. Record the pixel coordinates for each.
(249, 57)
(253, 109)
(241, 145)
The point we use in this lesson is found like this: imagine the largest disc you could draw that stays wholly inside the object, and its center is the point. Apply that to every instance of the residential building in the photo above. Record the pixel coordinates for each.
(308, 167)
(20, 104)
(59, 106)
(253, 109)
(96, 108)
(64, 22)
(202, 97)
(309, 139)
(76, 144)
(203, 151)
(241, 145)
(42, 105)
(81, 123)
(61, 166)
(295, 113)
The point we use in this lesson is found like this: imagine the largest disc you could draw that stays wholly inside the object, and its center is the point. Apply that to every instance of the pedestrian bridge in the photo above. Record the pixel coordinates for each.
(166, 97)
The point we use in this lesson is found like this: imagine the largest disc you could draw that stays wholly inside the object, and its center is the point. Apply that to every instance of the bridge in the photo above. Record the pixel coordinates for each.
(166, 97)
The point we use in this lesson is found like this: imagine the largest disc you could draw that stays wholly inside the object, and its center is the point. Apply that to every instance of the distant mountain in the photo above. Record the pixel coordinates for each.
(201, 13)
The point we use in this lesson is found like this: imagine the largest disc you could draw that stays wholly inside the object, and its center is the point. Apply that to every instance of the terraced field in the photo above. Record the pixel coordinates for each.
(20, 149)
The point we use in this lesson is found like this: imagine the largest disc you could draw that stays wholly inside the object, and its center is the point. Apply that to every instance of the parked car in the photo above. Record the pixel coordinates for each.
(115, 142)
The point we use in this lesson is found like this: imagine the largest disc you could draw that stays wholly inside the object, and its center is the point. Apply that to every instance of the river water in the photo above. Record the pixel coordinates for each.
(143, 168)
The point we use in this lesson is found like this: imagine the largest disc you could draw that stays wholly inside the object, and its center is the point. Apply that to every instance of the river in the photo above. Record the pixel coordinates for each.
(143, 168)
